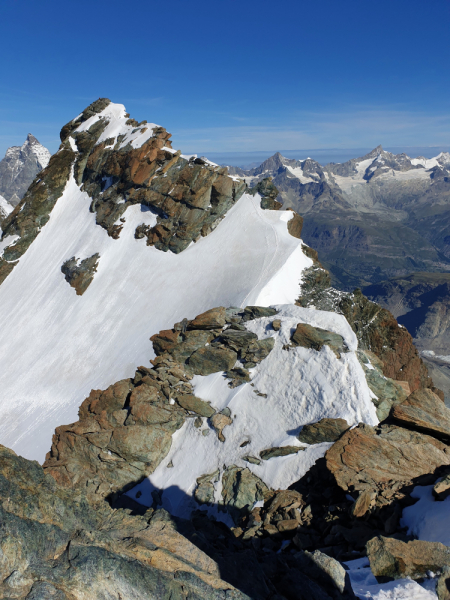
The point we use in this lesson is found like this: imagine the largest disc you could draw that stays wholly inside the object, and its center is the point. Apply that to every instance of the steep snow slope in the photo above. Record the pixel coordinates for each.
(58, 346)
(298, 386)
(5, 207)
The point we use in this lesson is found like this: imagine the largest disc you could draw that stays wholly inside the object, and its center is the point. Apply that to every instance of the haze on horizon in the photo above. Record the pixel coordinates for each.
(233, 77)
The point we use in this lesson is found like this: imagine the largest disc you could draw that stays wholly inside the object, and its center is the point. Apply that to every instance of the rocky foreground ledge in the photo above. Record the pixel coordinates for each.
(69, 532)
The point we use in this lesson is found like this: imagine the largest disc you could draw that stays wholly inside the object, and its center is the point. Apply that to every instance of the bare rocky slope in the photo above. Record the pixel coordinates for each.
(271, 431)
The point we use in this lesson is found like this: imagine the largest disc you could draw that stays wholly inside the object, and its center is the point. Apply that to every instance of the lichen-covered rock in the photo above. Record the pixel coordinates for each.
(79, 274)
(392, 558)
(196, 405)
(325, 430)
(204, 492)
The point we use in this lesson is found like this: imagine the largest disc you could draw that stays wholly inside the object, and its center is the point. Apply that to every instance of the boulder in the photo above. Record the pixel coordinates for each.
(193, 404)
(424, 411)
(209, 360)
(211, 319)
(392, 558)
(325, 430)
(441, 488)
(443, 584)
(281, 451)
(219, 421)
(240, 490)
(383, 460)
(80, 274)
(315, 338)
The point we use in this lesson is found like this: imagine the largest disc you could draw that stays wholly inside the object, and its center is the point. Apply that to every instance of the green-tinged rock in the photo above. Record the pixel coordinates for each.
(280, 451)
(252, 460)
(212, 360)
(240, 490)
(256, 312)
(189, 342)
(196, 405)
(237, 339)
(325, 430)
(315, 338)
(258, 350)
(204, 492)
(387, 391)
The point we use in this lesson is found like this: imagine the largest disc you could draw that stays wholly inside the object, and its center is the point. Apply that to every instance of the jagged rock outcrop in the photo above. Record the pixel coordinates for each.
(80, 273)
(55, 545)
(189, 196)
(20, 166)
(325, 430)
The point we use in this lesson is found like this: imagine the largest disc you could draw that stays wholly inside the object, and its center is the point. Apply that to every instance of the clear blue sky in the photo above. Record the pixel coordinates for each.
(227, 76)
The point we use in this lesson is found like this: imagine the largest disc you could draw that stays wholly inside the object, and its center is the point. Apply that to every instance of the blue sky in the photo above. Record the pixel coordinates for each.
(232, 76)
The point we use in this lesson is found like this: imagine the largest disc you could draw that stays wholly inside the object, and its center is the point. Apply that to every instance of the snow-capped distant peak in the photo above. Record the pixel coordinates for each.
(5, 207)
(40, 152)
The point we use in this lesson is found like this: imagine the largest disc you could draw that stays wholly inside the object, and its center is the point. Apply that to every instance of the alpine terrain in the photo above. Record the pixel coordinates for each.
(370, 218)
(19, 167)
(189, 409)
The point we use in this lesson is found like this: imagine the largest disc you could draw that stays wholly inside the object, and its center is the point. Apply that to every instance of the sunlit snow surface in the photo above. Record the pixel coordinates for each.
(56, 346)
(366, 586)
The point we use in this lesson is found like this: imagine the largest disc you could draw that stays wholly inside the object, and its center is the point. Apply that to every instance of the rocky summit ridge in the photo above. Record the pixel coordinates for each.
(226, 424)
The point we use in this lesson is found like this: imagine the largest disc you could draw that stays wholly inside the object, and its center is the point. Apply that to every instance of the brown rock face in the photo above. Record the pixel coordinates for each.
(424, 411)
(384, 460)
(122, 435)
(393, 558)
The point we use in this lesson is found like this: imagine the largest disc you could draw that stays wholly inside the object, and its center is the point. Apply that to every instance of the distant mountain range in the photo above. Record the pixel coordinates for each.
(377, 216)
(18, 168)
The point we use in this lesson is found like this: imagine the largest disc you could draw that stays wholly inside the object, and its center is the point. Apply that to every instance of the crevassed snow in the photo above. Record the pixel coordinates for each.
(298, 172)
(115, 115)
(302, 386)
(59, 345)
(366, 587)
(427, 163)
(428, 519)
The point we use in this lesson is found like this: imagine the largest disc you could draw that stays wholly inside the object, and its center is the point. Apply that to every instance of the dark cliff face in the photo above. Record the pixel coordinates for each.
(189, 196)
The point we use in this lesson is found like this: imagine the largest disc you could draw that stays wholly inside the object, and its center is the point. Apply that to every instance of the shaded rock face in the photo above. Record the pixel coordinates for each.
(80, 273)
(55, 545)
(387, 391)
(125, 431)
(240, 490)
(391, 558)
(20, 166)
